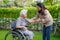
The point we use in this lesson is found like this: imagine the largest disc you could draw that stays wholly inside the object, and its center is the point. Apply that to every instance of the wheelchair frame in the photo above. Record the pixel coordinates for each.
(18, 33)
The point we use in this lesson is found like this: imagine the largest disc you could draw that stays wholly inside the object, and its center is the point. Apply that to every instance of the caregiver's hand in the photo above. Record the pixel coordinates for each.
(31, 21)
(37, 20)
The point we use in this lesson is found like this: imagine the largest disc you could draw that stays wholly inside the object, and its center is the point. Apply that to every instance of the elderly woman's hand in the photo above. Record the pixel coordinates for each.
(25, 28)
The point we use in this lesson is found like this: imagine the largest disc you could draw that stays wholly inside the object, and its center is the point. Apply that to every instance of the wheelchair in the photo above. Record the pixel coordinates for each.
(15, 34)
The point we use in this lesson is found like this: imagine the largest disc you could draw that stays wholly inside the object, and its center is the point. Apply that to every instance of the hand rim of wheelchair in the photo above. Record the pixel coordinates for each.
(19, 35)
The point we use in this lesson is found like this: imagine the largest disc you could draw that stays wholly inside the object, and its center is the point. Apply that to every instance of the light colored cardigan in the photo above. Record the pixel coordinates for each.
(47, 20)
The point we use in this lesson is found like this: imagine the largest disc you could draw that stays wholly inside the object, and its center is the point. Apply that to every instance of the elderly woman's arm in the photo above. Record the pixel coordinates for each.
(18, 24)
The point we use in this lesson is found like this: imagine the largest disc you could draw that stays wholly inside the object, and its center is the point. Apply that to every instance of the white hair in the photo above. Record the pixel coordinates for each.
(23, 12)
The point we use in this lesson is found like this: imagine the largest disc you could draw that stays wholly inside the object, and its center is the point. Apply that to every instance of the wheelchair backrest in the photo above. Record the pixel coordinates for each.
(13, 25)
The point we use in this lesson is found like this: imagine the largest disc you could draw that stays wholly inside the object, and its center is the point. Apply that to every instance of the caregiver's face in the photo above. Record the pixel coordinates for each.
(38, 8)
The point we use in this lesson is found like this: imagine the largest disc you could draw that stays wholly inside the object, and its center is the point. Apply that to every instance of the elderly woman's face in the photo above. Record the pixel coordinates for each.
(38, 8)
(25, 15)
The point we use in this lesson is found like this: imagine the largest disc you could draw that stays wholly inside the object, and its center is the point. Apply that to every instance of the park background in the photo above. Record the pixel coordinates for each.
(10, 11)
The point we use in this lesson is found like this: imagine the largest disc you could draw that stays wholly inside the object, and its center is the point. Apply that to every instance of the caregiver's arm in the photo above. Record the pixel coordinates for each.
(46, 20)
(34, 19)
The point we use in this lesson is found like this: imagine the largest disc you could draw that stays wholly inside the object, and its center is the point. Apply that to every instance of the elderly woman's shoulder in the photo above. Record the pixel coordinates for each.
(19, 18)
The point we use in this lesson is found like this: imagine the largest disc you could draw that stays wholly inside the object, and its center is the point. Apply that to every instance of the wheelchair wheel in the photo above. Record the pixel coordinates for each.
(13, 36)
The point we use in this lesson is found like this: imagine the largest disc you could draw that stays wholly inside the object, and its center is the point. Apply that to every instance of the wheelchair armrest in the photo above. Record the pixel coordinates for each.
(26, 26)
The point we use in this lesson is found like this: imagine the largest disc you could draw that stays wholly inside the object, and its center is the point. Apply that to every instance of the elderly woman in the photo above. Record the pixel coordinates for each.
(21, 23)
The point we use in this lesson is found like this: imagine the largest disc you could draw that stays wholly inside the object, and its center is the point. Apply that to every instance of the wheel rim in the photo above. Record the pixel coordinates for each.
(12, 36)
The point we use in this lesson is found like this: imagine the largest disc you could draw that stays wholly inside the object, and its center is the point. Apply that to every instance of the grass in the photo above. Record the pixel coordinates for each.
(38, 35)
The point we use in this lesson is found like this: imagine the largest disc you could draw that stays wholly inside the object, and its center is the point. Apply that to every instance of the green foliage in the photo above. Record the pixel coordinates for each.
(5, 1)
(34, 4)
(14, 12)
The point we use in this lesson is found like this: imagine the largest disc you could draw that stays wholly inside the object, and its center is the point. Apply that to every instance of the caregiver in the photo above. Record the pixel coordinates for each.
(44, 16)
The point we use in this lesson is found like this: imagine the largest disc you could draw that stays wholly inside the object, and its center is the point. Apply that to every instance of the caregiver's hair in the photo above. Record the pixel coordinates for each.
(41, 5)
